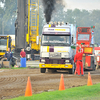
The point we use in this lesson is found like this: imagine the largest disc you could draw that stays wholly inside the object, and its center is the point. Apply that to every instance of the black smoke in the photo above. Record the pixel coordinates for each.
(49, 6)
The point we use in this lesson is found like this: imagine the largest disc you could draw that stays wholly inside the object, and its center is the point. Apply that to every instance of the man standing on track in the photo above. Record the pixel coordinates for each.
(79, 63)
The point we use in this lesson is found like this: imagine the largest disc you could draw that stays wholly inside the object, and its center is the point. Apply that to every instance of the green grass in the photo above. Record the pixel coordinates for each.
(16, 68)
(77, 93)
(20, 68)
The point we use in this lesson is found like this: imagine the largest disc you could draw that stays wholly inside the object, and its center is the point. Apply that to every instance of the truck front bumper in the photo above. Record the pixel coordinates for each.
(65, 66)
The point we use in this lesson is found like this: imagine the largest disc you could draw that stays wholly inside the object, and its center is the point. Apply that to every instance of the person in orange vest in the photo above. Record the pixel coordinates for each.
(78, 62)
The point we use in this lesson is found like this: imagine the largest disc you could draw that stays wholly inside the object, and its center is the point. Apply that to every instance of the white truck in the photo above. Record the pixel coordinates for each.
(57, 52)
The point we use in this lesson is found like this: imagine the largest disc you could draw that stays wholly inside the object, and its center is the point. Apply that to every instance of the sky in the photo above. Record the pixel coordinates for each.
(83, 4)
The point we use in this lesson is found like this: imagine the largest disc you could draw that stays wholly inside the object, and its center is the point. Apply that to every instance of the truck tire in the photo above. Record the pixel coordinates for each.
(92, 63)
(0, 66)
(94, 67)
(71, 71)
(43, 70)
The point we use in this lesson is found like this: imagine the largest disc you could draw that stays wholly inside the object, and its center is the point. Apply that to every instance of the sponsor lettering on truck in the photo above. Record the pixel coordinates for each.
(57, 52)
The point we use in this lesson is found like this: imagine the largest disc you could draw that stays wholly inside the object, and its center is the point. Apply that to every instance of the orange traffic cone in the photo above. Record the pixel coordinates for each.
(61, 86)
(89, 80)
(28, 91)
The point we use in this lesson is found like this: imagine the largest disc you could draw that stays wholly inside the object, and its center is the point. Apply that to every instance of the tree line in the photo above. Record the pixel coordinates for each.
(82, 18)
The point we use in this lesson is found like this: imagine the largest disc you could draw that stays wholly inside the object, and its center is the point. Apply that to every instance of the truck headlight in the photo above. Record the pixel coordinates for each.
(66, 65)
(43, 65)
(42, 60)
(67, 61)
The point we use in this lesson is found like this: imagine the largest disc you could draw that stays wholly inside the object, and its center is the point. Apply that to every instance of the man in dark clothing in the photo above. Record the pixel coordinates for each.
(8, 55)
(79, 63)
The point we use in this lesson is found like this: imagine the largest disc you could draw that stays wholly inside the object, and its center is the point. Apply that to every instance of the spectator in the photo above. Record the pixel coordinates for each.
(8, 55)
(22, 54)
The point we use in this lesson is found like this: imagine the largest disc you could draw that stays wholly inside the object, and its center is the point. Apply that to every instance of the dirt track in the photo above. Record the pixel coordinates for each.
(13, 82)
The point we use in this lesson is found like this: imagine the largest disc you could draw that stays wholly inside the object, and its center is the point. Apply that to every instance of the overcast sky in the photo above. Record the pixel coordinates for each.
(83, 4)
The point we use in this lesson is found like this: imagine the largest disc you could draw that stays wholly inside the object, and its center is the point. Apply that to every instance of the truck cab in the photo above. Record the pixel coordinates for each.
(5, 43)
(84, 40)
(56, 52)
(83, 36)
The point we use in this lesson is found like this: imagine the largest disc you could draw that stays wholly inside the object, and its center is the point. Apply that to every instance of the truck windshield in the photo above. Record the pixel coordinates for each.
(3, 45)
(56, 40)
(83, 37)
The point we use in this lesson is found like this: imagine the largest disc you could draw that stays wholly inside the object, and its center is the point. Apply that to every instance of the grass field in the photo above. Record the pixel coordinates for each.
(15, 68)
(19, 67)
(76, 93)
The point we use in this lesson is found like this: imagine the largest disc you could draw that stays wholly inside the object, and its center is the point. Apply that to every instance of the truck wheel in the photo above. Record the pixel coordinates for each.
(74, 67)
(71, 71)
(94, 67)
(43, 70)
(2, 65)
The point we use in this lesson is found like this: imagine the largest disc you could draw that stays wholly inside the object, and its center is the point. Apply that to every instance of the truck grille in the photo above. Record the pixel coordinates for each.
(54, 55)
(55, 61)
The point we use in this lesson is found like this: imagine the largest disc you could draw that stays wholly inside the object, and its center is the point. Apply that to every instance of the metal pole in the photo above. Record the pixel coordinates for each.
(28, 21)
(38, 20)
